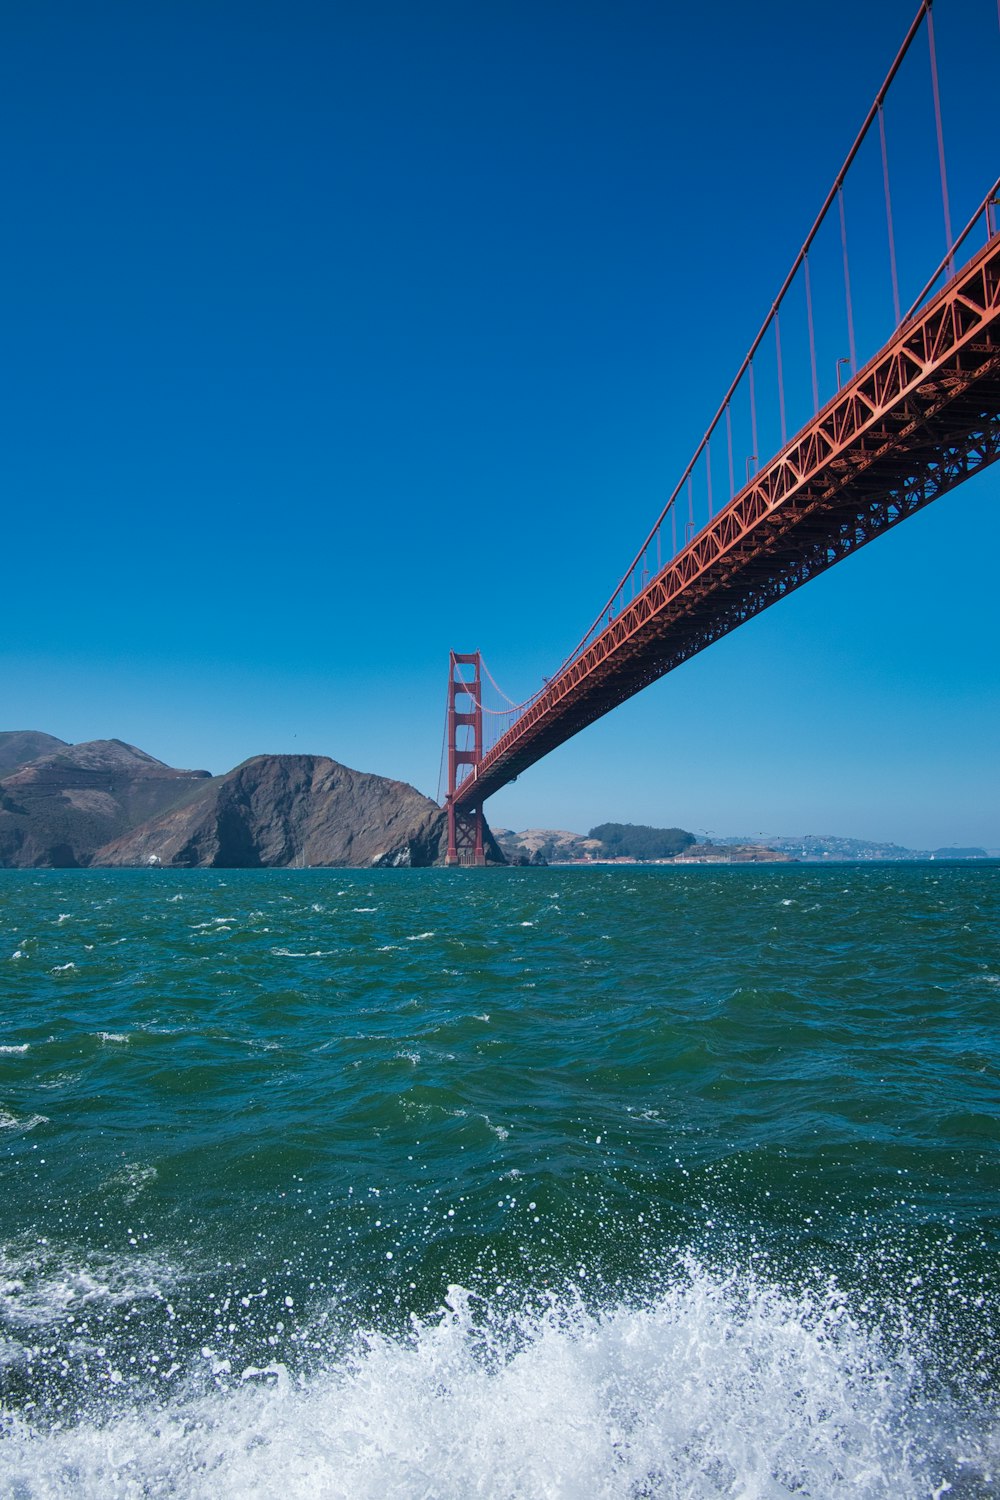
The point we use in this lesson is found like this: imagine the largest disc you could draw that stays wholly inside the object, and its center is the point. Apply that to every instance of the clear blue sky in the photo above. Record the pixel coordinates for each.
(337, 336)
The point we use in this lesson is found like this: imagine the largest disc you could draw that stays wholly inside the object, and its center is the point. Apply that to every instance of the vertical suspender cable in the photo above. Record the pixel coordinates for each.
(847, 283)
(781, 377)
(708, 470)
(690, 508)
(888, 216)
(729, 445)
(753, 418)
(812, 331)
(915, 25)
(940, 141)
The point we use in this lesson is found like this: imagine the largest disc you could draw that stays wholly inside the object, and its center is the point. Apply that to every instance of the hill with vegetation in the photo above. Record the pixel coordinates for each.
(639, 841)
(551, 846)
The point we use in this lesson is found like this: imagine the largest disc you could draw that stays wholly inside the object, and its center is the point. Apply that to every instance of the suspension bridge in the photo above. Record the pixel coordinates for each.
(918, 417)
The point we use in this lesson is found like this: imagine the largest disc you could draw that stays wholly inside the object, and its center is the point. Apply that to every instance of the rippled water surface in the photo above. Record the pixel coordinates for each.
(554, 1183)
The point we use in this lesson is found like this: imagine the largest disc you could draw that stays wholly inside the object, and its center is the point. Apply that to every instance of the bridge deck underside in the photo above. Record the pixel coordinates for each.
(920, 418)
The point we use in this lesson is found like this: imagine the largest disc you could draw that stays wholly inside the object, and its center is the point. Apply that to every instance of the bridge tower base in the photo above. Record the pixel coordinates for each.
(465, 751)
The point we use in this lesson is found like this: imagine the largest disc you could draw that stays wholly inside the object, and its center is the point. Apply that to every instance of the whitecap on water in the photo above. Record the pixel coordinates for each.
(716, 1386)
(132, 1178)
(22, 1123)
(292, 953)
(41, 1286)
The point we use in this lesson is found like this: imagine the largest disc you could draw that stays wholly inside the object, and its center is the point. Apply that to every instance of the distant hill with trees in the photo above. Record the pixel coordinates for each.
(638, 841)
(543, 846)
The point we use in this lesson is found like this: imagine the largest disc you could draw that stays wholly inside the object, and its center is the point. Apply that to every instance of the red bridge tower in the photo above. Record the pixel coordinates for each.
(465, 723)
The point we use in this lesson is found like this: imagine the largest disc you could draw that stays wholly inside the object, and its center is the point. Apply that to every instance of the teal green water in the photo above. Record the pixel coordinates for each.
(624, 1182)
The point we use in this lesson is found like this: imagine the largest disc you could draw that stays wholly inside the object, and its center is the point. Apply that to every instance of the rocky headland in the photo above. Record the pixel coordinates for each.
(108, 803)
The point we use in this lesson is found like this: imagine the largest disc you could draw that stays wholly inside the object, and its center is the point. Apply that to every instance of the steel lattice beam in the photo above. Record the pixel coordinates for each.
(919, 419)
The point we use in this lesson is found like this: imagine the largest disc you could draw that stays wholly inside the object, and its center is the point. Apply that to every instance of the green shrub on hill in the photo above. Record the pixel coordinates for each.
(636, 841)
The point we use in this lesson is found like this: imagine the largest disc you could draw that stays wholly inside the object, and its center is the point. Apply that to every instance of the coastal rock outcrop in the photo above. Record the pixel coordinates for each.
(279, 810)
(108, 803)
(59, 809)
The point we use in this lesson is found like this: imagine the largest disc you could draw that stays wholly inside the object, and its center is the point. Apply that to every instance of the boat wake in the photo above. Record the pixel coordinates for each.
(716, 1385)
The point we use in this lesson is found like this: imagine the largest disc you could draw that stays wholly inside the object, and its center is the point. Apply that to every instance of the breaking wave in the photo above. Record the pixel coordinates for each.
(719, 1385)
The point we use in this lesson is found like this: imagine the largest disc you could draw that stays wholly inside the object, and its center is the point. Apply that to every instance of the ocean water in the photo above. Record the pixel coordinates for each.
(522, 1183)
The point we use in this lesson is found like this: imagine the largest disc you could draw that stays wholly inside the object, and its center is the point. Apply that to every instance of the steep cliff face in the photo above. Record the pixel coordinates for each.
(108, 803)
(59, 809)
(280, 810)
(293, 810)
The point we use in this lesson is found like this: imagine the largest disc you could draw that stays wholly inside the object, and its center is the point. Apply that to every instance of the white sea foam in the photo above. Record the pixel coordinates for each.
(10, 1121)
(61, 968)
(132, 1178)
(40, 1287)
(292, 953)
(716, 1387)
(12, 1047)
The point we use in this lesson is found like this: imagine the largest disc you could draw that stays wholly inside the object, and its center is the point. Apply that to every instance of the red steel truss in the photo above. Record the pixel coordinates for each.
(920, 418)
(465, 723)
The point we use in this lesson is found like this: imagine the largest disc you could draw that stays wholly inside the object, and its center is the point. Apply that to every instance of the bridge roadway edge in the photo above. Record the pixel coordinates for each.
(921, 417)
